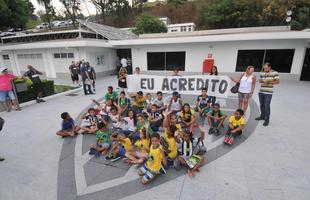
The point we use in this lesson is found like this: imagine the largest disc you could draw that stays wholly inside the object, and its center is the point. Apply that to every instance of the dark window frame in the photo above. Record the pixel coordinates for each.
(166, 61)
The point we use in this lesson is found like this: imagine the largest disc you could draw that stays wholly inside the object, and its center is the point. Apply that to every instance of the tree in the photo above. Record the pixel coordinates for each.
(72, 7)
(177, 3)
(101, 7)
(146, 23)
(48, 9)
(118, 10)
(15, 13)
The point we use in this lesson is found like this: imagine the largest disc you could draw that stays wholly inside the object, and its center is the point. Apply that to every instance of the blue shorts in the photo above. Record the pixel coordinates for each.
(4, 95)
(121, 151)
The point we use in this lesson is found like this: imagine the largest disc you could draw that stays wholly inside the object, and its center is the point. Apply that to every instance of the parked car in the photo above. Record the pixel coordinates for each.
(59, 24)
(6, 34)
(42, 26)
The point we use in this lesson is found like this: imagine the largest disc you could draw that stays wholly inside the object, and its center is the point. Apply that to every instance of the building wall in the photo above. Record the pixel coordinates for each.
(224, 53)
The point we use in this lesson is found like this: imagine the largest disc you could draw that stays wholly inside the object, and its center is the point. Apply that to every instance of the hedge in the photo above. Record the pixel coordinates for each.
(48, 87)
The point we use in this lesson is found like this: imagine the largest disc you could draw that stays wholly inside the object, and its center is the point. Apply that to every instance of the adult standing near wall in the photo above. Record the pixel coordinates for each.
(124, 62)
(74, 71)
(213, 72)
(122, 81)
(92, 75)
(118, 64)
(6, 89)
(268, 79)
(37, 85)
(129, 65)
(86, 79)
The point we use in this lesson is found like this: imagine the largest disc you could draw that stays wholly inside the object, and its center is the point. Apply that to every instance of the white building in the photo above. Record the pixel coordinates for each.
(232, 49)
(183, 27)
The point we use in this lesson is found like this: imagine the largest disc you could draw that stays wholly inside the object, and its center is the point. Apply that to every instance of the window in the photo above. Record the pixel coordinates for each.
(5, 57)
(183, 28)
(100, 60)
(280, 59)
(63, 55)
(189, 28)
(174, 30)
(166, 60)
(30, 56)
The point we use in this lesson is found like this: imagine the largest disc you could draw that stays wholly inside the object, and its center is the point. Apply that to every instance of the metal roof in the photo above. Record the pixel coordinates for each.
(108, 32)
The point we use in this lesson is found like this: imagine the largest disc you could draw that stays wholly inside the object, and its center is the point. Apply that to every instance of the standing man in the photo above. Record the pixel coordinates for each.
(268, 79)
(129, 65)
(74, 71)
(118, 64)
(86, 79)
(33, 75)
(6, 89)
(124, 62)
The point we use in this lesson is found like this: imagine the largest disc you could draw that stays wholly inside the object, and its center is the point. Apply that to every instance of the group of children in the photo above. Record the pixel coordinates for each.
(152, 133)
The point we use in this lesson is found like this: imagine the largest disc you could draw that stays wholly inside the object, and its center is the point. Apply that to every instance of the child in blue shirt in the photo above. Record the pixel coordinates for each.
(68, 127)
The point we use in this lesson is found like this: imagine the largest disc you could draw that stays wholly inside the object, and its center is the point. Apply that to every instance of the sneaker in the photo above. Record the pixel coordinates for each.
(211, 131)
(266, 123)
(38, 100)
(42, 100)
(115, 158)
(216, 131)
(176, 164)
(259, 118)
(163, 171)
(92, 151)
(231, 141)
(2, 159)
(226, 138)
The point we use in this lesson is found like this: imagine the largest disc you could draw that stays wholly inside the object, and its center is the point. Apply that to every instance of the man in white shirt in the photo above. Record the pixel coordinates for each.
(124, 62)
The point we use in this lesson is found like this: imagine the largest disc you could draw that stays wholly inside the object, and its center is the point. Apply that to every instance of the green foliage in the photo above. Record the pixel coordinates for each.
(176, 3)
(146, 23)
(243, 13)
(15, 13)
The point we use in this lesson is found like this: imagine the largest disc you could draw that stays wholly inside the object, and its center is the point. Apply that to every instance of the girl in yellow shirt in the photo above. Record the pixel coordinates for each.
(154, 163)
(141, 149)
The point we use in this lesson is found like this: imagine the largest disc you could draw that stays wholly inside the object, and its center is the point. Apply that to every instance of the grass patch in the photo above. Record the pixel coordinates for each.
(63, 88)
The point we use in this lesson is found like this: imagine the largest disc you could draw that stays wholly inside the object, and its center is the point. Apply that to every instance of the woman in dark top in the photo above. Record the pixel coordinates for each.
(33, 75)
(213, 72)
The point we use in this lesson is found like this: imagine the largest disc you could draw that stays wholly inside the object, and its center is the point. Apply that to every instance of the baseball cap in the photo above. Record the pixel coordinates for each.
(2, 68)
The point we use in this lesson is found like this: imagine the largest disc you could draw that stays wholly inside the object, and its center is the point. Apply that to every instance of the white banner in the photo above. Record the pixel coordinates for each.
(218, 86)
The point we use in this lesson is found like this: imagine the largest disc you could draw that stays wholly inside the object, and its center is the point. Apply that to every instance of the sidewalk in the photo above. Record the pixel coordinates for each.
(273, 163)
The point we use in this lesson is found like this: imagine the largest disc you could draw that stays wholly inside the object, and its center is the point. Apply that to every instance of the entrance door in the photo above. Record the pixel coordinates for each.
(125, 53)
(305, 74)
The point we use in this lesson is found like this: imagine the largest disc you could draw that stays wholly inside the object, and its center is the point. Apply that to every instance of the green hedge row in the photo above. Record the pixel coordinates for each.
(29, 95)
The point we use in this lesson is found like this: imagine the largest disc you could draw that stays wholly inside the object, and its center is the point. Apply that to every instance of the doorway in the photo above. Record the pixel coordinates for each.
(125, 53)
(305, 73)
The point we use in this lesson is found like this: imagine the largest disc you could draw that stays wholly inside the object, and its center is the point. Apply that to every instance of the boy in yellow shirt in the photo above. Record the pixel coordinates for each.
(236, 125)
(120, 146)
(154, 163)
(171, 150)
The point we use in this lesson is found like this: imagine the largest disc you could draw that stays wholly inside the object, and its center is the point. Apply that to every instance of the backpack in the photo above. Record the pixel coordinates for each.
(1, 123)
(199, 147)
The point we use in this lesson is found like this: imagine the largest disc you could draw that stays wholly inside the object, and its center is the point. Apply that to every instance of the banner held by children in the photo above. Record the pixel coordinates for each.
(217, 85)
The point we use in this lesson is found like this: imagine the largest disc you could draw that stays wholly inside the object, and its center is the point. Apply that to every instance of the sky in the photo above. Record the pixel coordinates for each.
(56, 3)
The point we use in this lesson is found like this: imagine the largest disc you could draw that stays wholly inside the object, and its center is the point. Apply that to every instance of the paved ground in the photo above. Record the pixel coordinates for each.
(268, 163)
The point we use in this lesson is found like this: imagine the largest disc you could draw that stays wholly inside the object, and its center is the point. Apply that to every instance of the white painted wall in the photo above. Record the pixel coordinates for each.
(224, 53)
(109, 58)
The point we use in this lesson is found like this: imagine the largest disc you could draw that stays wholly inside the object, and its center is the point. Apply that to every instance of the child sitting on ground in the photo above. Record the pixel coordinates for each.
(186, 157)
(111, 95)
(68, 128)
(144, 123)
(159, 101)
(123, 104)
(188, 118)
(216, 118)
(141, 149)
(175, 104)
(119, 148)
(149, 102)
(115, 118)
(130, 126)
(92, 120)
(154, 118)
(102, 144)
(154, 163)
(139, 102)
(235, 127)
(172, 150)
(203, 102)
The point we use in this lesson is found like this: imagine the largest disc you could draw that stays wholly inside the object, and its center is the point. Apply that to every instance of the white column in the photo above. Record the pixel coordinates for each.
(49, 64)
(14, 63)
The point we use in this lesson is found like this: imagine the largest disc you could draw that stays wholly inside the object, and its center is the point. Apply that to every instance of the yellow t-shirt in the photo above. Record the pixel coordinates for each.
(126, 143)
(155, 159)
(143, 143)
(172, 147)
(140, 101)
(187, 117)
(236, 123)
(178, 126)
